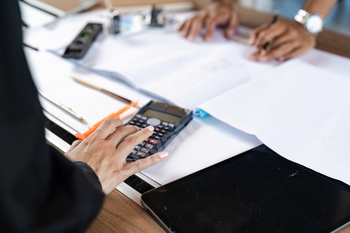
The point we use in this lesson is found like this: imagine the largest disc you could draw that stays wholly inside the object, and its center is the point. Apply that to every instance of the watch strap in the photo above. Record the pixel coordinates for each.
(301, 16)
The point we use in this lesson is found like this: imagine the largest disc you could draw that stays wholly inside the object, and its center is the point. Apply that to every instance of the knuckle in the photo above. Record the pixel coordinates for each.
(97, 131)
(76, 142)
(263, 36)
(110, 121)
(187, 23)
(296, 44)
(91, 141)
(116, 120)
(279, 24)
(107, 121)
(130, 140)
(139, 165)
(86, 142)
(253, 32)
(195, 19)
(121, 129)
(293, 33)
(131, 128)
(201, 14)
(154, 159)
(211, 22)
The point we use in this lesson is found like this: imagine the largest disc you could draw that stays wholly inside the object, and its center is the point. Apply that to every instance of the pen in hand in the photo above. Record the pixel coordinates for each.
(261, 50)
(68, 110)
(274, 20)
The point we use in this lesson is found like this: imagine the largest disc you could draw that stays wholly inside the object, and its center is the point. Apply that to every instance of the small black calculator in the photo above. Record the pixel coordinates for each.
(167, 120)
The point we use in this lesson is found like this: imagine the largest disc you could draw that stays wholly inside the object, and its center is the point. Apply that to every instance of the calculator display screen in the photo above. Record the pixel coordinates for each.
(161, 116)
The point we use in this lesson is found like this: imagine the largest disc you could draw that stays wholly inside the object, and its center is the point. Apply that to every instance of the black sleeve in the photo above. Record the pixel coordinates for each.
(90, 174)
(40, 190)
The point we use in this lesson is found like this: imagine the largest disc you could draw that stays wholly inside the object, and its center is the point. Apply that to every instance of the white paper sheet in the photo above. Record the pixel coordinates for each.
(204, 142)
(61, 33)
(163, 64)
(34, 17)
(53, 74)
(300, 111)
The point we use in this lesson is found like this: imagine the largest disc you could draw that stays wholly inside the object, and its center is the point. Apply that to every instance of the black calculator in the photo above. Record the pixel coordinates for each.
(167, 120)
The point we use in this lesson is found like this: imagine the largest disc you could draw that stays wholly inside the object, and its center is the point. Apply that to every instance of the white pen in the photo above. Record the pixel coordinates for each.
(63, 107)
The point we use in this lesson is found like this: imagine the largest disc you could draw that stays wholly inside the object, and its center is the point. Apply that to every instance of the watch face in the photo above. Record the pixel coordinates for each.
(314, 24)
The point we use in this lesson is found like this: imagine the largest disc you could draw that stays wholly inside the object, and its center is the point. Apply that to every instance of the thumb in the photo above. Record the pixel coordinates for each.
(74, 145)
(142, 164)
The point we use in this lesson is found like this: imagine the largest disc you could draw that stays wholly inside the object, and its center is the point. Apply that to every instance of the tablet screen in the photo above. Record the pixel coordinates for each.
(256, 191)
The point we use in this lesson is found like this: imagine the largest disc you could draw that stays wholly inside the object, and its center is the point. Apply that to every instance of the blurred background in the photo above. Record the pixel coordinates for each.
(338, 20)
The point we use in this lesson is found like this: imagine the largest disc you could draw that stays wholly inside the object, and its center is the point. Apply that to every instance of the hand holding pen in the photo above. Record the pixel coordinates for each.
(280, 40)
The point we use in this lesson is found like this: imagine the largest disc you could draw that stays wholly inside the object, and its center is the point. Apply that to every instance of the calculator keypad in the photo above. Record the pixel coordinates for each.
(162, 131)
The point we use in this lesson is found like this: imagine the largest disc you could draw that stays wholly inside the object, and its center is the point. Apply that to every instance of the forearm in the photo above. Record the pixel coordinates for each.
(322, 7)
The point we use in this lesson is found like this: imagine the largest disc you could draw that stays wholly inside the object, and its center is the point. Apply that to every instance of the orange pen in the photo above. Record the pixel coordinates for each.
(113, 115)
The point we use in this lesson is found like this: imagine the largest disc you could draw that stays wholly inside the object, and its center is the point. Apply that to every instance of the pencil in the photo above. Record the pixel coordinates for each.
(102, 90)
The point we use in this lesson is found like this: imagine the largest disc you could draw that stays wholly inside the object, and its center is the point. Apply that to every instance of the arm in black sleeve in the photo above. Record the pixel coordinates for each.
(90, 174)
(40, 190)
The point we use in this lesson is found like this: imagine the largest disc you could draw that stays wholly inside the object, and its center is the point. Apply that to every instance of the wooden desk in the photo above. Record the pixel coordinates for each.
(119, 213)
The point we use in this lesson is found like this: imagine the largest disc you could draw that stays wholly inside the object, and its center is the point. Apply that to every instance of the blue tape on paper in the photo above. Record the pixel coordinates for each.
(197, 112)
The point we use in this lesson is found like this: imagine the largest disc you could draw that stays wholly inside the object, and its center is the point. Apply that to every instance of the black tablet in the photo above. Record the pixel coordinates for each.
(256, 191)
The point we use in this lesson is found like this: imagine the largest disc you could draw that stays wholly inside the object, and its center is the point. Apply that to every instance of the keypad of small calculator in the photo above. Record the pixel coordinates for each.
(162, 130)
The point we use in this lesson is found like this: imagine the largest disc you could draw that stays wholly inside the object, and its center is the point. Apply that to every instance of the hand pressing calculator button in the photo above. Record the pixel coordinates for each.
(167, 121)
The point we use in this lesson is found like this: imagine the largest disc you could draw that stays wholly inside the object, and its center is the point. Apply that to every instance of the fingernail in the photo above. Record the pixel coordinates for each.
(150, 128)
(191, 38)
(230, 32)
(263, 52)
(163, 154)
(264, 59)
(207, 38)
(252, 58)
(282, 59)
(137, 127)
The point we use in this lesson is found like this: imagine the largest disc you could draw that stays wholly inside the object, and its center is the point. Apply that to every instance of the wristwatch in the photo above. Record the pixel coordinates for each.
(312, 22)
